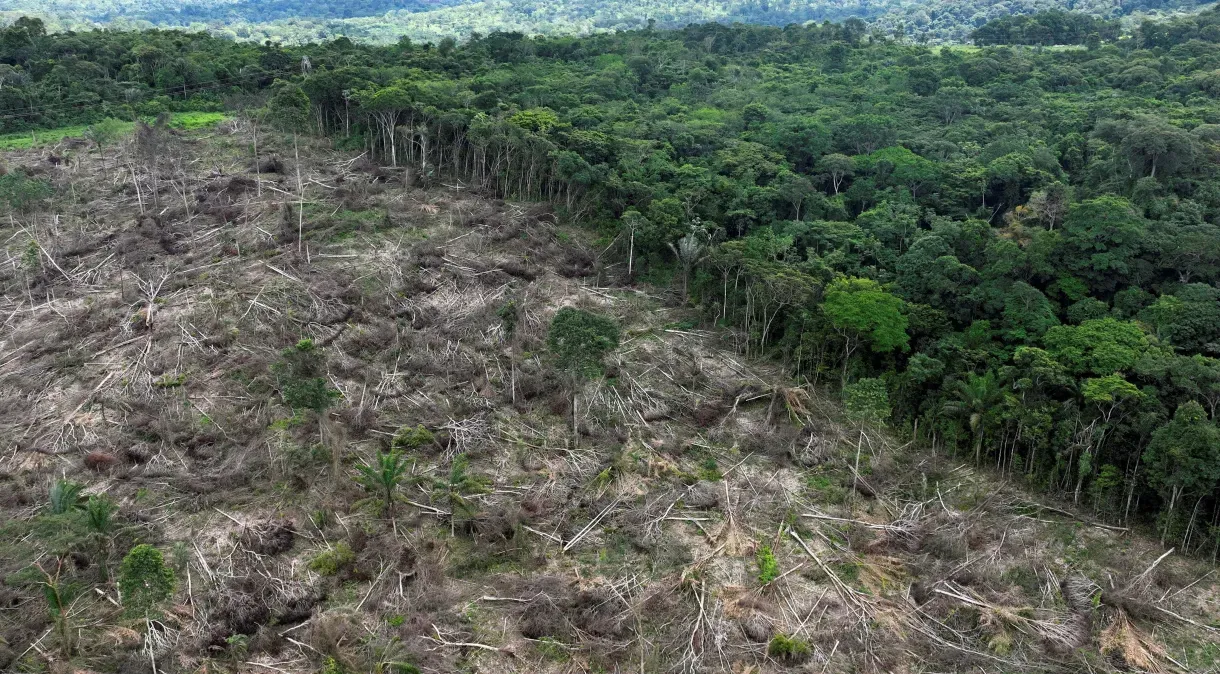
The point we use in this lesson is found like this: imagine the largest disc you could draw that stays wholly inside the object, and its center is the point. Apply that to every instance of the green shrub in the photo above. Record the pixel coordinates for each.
(508, 317)
(22, 193)
(301, 372)
(329, 562)
(768, 568)
(413, 438)
(144, 580)
(788, 649)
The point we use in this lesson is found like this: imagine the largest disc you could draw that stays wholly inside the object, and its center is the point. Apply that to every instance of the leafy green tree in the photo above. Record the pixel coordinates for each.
(836, 168)
(795, 189)
(1087, 309)
(302, 377)
(1101, 239)
(861, 310)
(929, 273)
(1109, 394)
(145, 582)
(382, 476)
(1027, 313)
(578, 340)
(386, 105)
(105, 133)
(863, 134)
(1183, 458)
(1189, 319)
(1187, 244)
(1100, 346)
(899, 166)
(894, 224)
(867, 400)
(288, 108)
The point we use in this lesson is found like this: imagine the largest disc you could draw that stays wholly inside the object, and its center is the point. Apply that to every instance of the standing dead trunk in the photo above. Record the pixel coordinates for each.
(1173, 501)
(300, 196)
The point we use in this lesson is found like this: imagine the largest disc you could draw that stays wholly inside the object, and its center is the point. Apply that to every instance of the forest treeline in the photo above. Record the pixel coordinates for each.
(1010, 252)
(383, 21)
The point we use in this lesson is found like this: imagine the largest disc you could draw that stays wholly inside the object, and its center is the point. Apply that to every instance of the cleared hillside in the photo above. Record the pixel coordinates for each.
(697, 513)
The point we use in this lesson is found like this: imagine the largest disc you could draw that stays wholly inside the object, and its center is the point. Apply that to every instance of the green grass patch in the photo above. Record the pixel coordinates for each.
(330, 562)
(183, 121)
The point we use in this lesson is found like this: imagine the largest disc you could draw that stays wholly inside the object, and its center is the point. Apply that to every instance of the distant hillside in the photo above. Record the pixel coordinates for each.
(385, 21)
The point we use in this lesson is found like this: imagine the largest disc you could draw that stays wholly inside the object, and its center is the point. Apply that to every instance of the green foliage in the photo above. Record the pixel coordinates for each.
(101, 524)
(1109, 389)
(1024, 244)
(867, 400)
(457, 489)
(508, 314)
(768, 568)
(332, 666)
(382, 476)
(1100, 346)
(332, 560)
(409, 437)
(23, 193)
(107, 131)
(288, 108)
(578, 341)
(1185, 454)
(974, 400)
(863, 308)
(788, 649)
(145, 581)
(301, 372)
(65, 496)
(1045, 28)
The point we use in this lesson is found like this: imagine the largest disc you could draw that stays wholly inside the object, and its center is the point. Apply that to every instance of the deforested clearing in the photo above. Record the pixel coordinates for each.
(319, 407)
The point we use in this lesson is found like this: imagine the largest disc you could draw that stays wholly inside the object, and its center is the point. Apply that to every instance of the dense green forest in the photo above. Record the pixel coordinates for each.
(297, 21)
(1011, 252)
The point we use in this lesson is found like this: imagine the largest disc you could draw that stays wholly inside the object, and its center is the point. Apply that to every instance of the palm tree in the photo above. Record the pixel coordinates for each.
(382, 476)
(458, 489)
(65, 496)
(99, 519)
(971, 399)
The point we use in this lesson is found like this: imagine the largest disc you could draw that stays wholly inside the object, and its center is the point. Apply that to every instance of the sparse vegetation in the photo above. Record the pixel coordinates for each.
(788, 649)
(332, 560)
